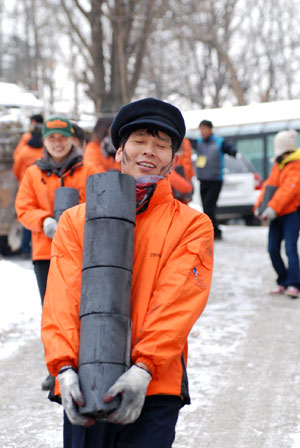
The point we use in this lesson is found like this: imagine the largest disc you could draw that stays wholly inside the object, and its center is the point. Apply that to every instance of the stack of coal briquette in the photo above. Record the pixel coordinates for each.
(105, 308)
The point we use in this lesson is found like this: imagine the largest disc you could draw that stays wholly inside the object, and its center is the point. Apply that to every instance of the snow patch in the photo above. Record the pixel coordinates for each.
(20, 306)
(296, 440)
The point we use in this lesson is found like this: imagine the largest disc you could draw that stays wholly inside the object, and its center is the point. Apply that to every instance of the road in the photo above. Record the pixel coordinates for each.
(244, 364)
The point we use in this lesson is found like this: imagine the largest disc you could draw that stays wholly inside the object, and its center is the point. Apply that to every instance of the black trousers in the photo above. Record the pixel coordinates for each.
(155, 428)
(209, 192)
(41, 268)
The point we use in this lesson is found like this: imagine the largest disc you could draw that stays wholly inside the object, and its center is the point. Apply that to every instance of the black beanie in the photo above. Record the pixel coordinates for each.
(148, 113)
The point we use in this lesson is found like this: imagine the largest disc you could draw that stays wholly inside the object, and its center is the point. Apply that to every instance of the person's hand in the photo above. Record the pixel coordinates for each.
(269, 214)
(256, 212)
(72, 397)
(132, 385)
(49, 227)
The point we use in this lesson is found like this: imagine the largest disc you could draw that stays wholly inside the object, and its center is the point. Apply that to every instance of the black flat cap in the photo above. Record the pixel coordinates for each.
(148, 113)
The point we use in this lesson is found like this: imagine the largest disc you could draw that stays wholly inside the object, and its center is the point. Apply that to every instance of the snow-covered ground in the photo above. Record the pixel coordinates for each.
(20, 306)
(244, 357)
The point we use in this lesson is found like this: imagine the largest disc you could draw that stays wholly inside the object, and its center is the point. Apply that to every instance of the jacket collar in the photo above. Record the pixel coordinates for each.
(162, 194)
(48, 165)
(294, 156)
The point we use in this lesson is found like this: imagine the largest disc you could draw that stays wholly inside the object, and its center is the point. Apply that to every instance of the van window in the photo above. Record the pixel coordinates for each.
(253, 150)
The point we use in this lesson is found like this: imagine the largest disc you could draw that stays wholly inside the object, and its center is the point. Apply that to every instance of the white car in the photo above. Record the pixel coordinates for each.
(240, 190)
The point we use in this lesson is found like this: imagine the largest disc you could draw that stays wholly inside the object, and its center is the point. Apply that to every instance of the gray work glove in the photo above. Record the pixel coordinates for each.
(132, 385)
(72, 397)
(49, 227)
(269, 214)
(256, 213)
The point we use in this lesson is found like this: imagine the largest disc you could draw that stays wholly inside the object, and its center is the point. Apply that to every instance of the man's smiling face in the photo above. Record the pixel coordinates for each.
(146, 154)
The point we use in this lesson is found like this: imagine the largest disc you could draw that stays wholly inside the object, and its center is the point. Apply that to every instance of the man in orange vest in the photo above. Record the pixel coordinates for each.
(173, 259)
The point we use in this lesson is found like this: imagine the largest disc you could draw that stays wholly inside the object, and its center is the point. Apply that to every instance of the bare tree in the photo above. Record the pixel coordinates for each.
(194, 44)
(209, 30)
(195, 52)
(226, 51)
(31, 56)
(1, 37)
(273, 50)
(112, 38)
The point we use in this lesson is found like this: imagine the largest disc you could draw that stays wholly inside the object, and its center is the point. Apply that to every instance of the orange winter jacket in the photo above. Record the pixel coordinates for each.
(24, 159)
(35, 201)
(182, 188)
(181, 179)
(94, 156)
(286, 177)
(22, 142)
(180, 183)
(185, 159)
(173, 260)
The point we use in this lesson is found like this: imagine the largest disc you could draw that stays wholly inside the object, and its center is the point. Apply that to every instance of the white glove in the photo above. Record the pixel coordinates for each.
(269, 214)
(132, 385)
(71, 397)
(49, 227)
